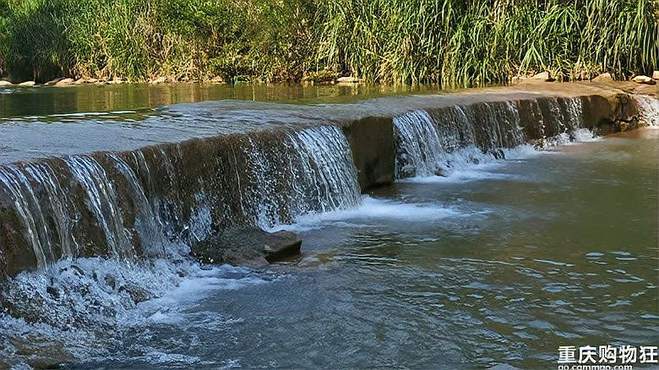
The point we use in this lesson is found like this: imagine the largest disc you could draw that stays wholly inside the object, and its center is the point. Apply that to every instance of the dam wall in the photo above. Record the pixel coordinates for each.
(159, 199)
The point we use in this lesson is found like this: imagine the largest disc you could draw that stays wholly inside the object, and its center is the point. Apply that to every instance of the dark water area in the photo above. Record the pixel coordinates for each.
(141, 98)
(500, 263)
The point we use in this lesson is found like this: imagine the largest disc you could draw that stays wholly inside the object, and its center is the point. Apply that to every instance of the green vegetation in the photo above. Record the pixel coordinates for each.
(452, 42)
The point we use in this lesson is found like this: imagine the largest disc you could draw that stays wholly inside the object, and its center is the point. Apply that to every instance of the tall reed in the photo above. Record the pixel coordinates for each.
(456, 42)
(451, 42)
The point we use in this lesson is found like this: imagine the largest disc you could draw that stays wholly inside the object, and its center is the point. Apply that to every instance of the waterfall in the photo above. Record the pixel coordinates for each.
(149, 202)
(435, 142)
(311, 171)
(648, 109)
(102, 201)
(29, 211)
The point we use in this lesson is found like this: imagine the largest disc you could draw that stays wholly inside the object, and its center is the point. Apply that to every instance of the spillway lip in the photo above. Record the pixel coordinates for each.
(30, 138)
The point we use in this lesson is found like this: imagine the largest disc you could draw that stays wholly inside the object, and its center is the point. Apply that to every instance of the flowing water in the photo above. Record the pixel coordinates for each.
(485, 251)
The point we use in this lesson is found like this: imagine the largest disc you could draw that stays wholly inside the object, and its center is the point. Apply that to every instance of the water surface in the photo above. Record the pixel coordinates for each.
(501, 266)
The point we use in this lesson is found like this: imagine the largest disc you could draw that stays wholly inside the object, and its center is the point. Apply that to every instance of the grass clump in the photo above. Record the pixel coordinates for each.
(450, 42)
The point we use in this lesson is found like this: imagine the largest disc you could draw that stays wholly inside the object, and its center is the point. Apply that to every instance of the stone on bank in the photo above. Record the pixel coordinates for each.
(644, 80)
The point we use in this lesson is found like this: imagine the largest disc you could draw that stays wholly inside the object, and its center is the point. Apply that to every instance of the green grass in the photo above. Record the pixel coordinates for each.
(451, 42)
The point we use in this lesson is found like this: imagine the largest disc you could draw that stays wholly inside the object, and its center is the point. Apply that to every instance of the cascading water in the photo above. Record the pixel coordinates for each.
(102, 201)
(309, 171)
(437, 142)
(121, 206)
(648, 109)
(440, 141)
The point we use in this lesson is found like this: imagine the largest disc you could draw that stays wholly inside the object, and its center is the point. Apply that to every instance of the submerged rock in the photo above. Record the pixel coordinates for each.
(644, 80)
(41, 353)
(502, 367)
(136, 293)
(498, 153)
(247, 245)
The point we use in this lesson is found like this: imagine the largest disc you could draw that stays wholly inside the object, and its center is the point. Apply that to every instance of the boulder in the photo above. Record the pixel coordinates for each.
(640, 79)
(655, 75)
(247, 245)
(4, 83)
(603, 77)
(27, 84)
(65, 82)
(543, 76)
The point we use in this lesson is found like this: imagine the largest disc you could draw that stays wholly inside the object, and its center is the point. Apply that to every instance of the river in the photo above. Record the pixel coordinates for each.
(499, 261)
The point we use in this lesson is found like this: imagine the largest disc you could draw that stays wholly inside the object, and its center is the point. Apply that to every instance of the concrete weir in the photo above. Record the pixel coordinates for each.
(153, 187)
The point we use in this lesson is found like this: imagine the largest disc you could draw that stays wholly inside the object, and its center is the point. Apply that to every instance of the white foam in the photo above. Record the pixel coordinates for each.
(85, 301)
(578, 136)
(372, 209)
(471, 164)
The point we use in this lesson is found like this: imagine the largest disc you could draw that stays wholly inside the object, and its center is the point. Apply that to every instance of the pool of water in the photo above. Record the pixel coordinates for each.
(500, 263)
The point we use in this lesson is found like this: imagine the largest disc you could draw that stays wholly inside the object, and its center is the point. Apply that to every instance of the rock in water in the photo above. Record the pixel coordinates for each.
(655, 75)
(27, 84)
(247, 245)
(4, 83)
(644, 80)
